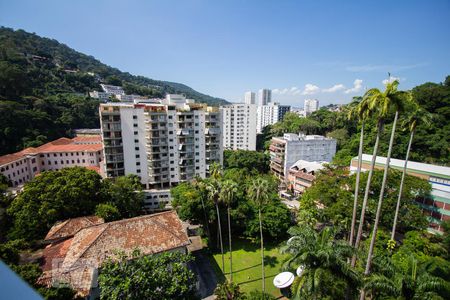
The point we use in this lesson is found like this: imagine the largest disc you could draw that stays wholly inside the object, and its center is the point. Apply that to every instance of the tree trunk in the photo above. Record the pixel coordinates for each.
(206, 221)
(397, 208)
(366, 192)
(262, 253)
(220, 237)
(229, 241)
(380, 202)
(358, 173)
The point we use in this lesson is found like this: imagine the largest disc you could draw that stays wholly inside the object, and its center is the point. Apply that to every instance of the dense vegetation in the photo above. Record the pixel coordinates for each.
(153, 277)
(431, 143)
(44, 89)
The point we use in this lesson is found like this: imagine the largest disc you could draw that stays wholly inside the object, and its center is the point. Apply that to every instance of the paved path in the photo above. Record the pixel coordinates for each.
(205, 275)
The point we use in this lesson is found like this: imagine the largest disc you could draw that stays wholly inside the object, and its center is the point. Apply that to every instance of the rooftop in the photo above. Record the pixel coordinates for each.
(77, 144)
(79, 256)
(412, 165)
(70, 227)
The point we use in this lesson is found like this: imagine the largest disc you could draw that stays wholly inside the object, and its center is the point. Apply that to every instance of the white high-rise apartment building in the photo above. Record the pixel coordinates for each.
(250, 98)
(264, 97)
(287, 150)
(239, 126)
(163, 143)
(311, 105)
(270, 114)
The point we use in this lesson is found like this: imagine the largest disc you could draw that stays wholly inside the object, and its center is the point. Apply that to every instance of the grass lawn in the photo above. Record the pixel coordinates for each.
(247, 265)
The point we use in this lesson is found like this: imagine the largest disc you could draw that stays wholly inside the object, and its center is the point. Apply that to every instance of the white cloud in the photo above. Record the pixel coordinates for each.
(390, 79)
(357, 86)
(334, 88)
(310, 89)
(287, 91)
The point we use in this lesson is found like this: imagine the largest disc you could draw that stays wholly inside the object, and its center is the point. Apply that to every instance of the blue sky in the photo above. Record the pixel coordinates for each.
(328, 50)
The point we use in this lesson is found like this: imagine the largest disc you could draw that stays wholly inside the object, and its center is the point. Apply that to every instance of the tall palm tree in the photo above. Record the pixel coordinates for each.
(214, 194)
(320, 255)
(378, 104)
(200, 184)
(259, 191)
(417, 116)
(397, 100)
(228, 192)
(361, 112)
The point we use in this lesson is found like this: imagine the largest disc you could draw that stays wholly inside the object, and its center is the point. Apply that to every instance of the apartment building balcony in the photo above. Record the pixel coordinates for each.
(277, 160)
(156, 142)
(276, 167)
(106, 112)
(184, 132)
(185, 141)
(212, 131)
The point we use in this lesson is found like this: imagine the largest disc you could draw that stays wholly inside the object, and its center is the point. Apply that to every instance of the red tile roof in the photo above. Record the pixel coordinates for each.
(91, 246)
(70, 227)
(77, 144)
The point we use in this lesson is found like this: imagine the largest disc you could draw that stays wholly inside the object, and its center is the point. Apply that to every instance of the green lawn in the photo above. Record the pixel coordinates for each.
(247, 265)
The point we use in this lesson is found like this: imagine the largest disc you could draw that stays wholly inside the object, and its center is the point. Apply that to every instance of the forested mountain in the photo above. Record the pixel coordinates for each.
(44, 89)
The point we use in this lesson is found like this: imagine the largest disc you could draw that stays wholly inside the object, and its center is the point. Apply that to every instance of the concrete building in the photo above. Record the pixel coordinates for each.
(264, 97)
(250, 98)
(239, 126)
(437, 207)
(311, 105)
(302, 175)
(112, 89)
(287, 150)
(270, 114)
(163, 143)
(82, 151)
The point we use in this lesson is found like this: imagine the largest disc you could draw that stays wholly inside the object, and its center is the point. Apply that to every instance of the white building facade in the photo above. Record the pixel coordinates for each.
(239, 126)
(264, 97)
(311, 105)
(250, 98)
(287, 150)
(270, 114)
(163, 143)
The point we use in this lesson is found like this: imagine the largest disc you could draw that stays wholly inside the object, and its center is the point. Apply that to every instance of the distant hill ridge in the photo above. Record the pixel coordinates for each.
(78, 72)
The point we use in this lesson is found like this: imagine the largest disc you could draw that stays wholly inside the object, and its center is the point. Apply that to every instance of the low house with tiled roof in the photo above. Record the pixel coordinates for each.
(69, 227)
(302, 174)
(82, 151)
(76, 260)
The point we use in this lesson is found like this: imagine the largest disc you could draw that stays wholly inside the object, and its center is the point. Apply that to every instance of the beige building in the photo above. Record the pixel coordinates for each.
(302, 175)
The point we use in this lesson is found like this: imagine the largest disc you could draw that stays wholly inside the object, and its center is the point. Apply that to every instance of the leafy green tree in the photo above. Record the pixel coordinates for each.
(323, 260)
(107, 211)
(249, 160)
(162, 276)
(125, 193)
(228, 291)
(259, 191)
(53, 196)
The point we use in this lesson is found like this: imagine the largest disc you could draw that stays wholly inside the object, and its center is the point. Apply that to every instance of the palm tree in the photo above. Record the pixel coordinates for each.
(320, 255)
(228, 191)
(417, 116)
(362, 112)
(259, 191)
(214, 194)
(397, 100)
(413, 282)
(200, 184)
(378, 104)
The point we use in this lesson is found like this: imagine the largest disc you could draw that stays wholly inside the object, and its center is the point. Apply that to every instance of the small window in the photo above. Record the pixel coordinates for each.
(136, 141)
(138, 156)
(136, 148)
(135, 133)
(138, 163)
(138, 171)
(134, 117)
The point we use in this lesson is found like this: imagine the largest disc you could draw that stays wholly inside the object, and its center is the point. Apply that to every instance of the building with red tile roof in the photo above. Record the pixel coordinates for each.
(76, 260)
(22, 166)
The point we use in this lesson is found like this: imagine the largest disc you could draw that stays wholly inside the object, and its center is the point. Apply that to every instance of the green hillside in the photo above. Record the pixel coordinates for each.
(44, 88)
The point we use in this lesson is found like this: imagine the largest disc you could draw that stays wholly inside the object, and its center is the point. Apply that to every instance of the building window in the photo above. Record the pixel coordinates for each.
(136, 141)
(138, 156)
(135, 133)
(138, 171)
(134, 117)
(138, 163)
(136, 148)
(135, 125)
